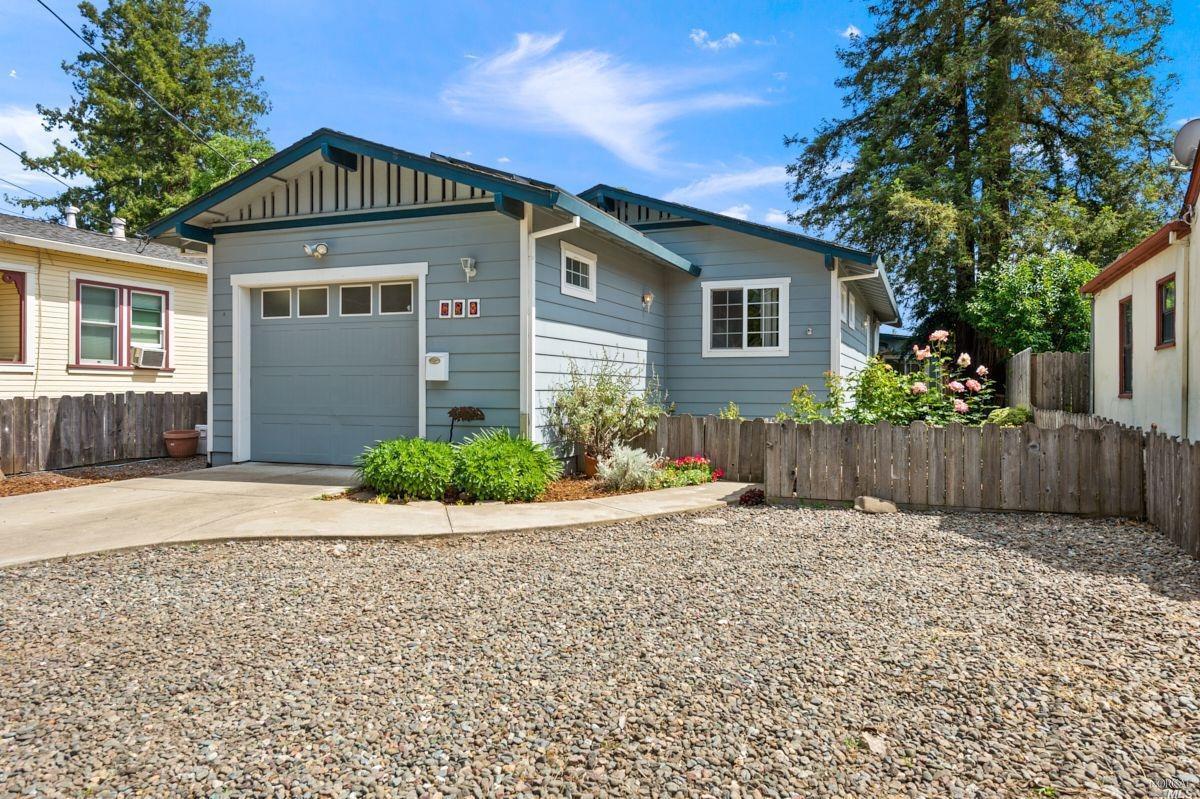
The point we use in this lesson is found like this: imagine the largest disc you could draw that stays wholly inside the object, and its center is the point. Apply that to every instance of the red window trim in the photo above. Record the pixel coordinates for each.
(1124, 301)
(124, 323)
(1159, 344)
(18, 280)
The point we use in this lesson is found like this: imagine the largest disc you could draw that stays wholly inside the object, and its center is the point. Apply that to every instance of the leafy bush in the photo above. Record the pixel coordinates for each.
(804, 408)
(753, 496)
(1010, 417)
(412, 468)
(496, 465)
(730, 412)
(688, 471)
(605, 406)
(627, 468)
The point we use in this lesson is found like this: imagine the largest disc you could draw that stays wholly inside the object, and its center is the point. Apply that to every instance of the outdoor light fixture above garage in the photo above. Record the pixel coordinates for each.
(318, 250)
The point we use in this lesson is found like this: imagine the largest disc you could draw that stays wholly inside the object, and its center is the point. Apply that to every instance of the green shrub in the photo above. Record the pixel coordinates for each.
(731, 411)
(691, 470)
(626, 468)
(1010, 417)
(412, 468)
(496, 465)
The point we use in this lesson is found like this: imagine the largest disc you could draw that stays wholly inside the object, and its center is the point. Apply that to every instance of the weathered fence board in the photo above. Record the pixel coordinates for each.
(1050, 380)
(62, 432)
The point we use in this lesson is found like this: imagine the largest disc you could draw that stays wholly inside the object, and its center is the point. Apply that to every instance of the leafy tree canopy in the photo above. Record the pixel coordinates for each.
(139, 164)
(978, 132)
(1035, 302)
(236, 156)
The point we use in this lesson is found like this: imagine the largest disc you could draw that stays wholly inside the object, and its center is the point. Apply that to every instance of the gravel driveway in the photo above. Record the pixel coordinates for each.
(760, 652)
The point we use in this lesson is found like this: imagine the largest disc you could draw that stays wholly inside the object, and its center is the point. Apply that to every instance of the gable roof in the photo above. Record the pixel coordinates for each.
(1153, 244)
(54, 236)
(343, 150)
(878, 290)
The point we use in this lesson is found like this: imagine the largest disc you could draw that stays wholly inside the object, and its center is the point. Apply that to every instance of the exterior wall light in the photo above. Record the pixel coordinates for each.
(468, 267)
(647, 300)
(318, 250)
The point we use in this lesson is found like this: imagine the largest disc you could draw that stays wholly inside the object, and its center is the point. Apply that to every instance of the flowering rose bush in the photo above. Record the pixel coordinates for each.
(688, 471)
(945, 391)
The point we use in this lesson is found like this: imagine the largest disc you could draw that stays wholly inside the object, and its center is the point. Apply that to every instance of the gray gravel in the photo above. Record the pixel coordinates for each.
(761, 652)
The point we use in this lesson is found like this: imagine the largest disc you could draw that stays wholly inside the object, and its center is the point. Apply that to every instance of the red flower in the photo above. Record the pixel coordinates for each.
(717, 474)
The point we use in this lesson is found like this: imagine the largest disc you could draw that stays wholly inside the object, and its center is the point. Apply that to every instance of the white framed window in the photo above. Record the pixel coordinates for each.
(147, 320)
(395, 298)
(845, 302)
(356, 300)
(276, 304)
(745, 318)
(99, 324)
(312, 302)
(578, 272)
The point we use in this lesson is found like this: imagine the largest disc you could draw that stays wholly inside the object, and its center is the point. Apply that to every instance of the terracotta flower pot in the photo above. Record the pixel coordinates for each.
(590, 465)
(181, 443)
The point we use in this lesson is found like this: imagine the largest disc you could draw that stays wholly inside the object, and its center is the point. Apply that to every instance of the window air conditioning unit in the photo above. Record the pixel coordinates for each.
(144, 358)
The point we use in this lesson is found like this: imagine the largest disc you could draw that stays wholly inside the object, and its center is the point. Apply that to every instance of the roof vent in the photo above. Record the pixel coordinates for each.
(70, 214)
(118, 228)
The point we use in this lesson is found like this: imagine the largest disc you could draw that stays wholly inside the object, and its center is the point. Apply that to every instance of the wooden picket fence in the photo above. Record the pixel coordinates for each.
(62, 432)
(1173, 490)
(1059, 381)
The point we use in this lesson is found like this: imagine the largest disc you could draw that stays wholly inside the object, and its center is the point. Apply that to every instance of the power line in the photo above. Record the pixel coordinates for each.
(30, 165)
(22, 188)
(137, 85)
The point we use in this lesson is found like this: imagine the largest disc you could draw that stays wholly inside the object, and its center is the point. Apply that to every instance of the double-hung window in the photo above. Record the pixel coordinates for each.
(745, 318)
(1164, 302)
(110, 319)
(1125, 347)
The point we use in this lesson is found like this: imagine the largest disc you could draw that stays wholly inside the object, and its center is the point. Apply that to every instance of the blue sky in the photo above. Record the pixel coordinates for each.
(684, 100)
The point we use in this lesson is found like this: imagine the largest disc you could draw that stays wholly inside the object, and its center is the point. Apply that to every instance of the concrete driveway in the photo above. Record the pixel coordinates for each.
(261, 500)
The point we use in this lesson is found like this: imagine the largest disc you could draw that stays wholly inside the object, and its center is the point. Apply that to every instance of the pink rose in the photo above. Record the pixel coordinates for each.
(964, 361)
(921, 354)
(973, 385)
(938, 336)
(960, 406)
(956, 387)
(919, 388)
(981, 371)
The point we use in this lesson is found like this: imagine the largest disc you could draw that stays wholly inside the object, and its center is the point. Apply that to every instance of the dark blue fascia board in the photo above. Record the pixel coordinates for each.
(602, 193)
(668, 224)
(609, 224)
(193, 233)
(346, 219)
(322, 139)
(339, 157)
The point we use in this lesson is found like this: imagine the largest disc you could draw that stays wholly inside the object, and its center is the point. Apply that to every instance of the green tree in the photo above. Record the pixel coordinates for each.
(1035, 302)
(137, 162)
(980, 131)
(235, 155)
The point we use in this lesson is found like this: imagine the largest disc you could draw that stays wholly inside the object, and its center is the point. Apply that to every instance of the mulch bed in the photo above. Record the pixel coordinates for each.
(36, 482)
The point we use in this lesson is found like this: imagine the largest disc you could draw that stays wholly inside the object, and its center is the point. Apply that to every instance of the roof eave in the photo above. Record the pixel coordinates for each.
(100, 252)
(1143, 251)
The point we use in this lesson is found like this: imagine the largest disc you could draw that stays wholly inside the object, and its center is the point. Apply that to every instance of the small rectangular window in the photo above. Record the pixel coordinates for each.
(1165, 307)
(276, 303)
(1125, 346)
(356, 300)
(313, 301)
(146, 320)
(396, 298)
(578, 273)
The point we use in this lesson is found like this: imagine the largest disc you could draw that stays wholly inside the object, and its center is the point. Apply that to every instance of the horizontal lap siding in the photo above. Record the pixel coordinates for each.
(570, 327)
(53, 323)
(483, 351)
(760, 386)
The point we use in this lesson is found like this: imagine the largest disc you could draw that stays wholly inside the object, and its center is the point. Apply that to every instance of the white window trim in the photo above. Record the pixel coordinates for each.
(31, 308)
(115, 325)
(412, 303)
(262, 305)
(370, 294)
(312, 315)
(853, 310)
(162, 329)
(583, 256)
(781, 351)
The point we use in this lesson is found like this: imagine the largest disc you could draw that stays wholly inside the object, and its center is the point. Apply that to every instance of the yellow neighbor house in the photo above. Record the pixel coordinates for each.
(92, 313)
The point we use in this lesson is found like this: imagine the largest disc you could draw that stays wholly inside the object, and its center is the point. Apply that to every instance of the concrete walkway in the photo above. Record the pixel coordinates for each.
(260, 500)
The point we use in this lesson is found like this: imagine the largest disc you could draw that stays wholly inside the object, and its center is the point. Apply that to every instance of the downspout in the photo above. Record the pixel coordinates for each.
(528, 393)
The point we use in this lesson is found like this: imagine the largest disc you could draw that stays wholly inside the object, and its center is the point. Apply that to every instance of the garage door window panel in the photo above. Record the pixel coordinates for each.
(396, 298)
(356, 301)
(276, 303)
(313, 302)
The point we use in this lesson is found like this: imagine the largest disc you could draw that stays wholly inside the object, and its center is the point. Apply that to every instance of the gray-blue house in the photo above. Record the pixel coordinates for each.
(359, 292)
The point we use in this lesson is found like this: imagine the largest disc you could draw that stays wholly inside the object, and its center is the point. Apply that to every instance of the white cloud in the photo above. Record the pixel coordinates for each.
(504, 159)
(727, 183)
(774, 216)
(701, 39)
(12, 73)
(852, 32)
(739, 211)
(622, 107)
(779, 75)
(21, 129)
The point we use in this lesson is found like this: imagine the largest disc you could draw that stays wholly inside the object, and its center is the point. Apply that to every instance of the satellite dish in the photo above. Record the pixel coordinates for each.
(1186, 142)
